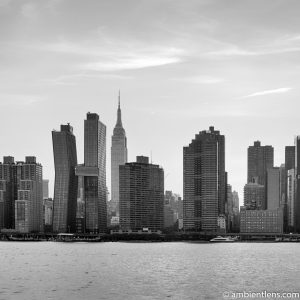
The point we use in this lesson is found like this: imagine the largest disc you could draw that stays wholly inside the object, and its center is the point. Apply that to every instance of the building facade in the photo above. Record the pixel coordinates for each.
(92, 175)
(260, 159)
(8, 192)
(118, 157)
(141, 196)
(273, 188)
(261, 221)
(29, 203)
(254, 196)
(297, 184)
(65, 186)
(291, 200)
(204, 181)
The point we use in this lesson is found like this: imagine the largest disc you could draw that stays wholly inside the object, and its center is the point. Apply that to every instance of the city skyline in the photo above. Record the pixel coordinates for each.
(187, 66)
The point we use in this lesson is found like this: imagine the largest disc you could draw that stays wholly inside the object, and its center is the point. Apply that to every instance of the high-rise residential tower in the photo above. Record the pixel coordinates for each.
(29, 204)
(65, 186)
(204, 181)
(118, 157)
(8, 192)
(92, 175)
(141, 195)
(260, 159)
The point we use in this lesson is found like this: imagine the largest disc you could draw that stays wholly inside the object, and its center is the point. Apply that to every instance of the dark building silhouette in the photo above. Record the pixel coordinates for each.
(118, 157)
(92, 175)
(297, 184)
(8, 192)
(141, 195)
(65, 186)
(204, 181)
(289, 157)
(260, 159)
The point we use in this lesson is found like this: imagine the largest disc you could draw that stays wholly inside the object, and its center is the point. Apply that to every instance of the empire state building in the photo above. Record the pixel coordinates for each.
(118, 157)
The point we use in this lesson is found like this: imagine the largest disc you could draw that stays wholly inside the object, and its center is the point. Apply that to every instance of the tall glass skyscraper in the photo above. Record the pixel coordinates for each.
(92, 174)
(204, 188)
(65, 187)
(118, 157)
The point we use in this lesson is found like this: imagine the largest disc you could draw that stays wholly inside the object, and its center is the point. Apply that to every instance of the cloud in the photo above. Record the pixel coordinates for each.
(268, 92)
(71, 78)
(232, 51)
(113, 56)
(200, 79)
(128, 63)
(19, 99)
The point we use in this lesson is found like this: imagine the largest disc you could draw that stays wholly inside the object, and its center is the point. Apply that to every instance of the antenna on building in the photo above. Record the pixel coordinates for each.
(151, 157)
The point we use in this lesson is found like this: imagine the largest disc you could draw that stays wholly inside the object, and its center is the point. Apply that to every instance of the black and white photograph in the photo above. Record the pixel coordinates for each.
(149, 149)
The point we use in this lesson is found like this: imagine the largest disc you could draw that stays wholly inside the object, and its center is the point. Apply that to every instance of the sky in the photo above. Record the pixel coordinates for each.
(181, 66)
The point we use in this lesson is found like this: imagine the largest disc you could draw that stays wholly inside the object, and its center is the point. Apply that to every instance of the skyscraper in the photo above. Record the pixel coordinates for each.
(45, 188)
(29, 204)
(65, 186)
(297, 184)
(118, 157)
(141, 195)
(8, 192)
(289, 157)
(254, 196)
(260, 159)
(92, 174)
(204, 181)
(273, 188)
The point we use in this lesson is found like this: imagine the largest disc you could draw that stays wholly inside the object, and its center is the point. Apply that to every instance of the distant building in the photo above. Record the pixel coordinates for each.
(29, 204)
(65, 186)
(290, 157)
(118, 157)
(273, 188)
(45, 188)
(236, 212)
(141, 196)
(204, 181)
(48, 214)
(92, 175)
(297, 184)
(173, 209)
(291, 200)
(229, 209)
(254, 196)
(260, 159)
(261, 221)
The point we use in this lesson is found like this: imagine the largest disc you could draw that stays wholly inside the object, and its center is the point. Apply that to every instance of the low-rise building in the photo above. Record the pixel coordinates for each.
(261, 221)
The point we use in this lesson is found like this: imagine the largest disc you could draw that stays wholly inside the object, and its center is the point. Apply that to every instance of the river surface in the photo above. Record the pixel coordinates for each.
(176, 270)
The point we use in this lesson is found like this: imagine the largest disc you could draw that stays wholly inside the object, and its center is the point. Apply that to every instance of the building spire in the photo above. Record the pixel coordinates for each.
(119, 119)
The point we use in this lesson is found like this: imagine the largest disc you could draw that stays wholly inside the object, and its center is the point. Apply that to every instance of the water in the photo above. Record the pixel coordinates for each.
(52, 270)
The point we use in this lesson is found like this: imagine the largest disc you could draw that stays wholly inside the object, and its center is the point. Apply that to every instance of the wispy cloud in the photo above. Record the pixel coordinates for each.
(20, 99)
(268, 92)
(112, 56)
(71, 79)
(204, 79)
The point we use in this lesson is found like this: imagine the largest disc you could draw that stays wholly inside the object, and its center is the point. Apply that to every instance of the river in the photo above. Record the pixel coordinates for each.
(176, 270)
